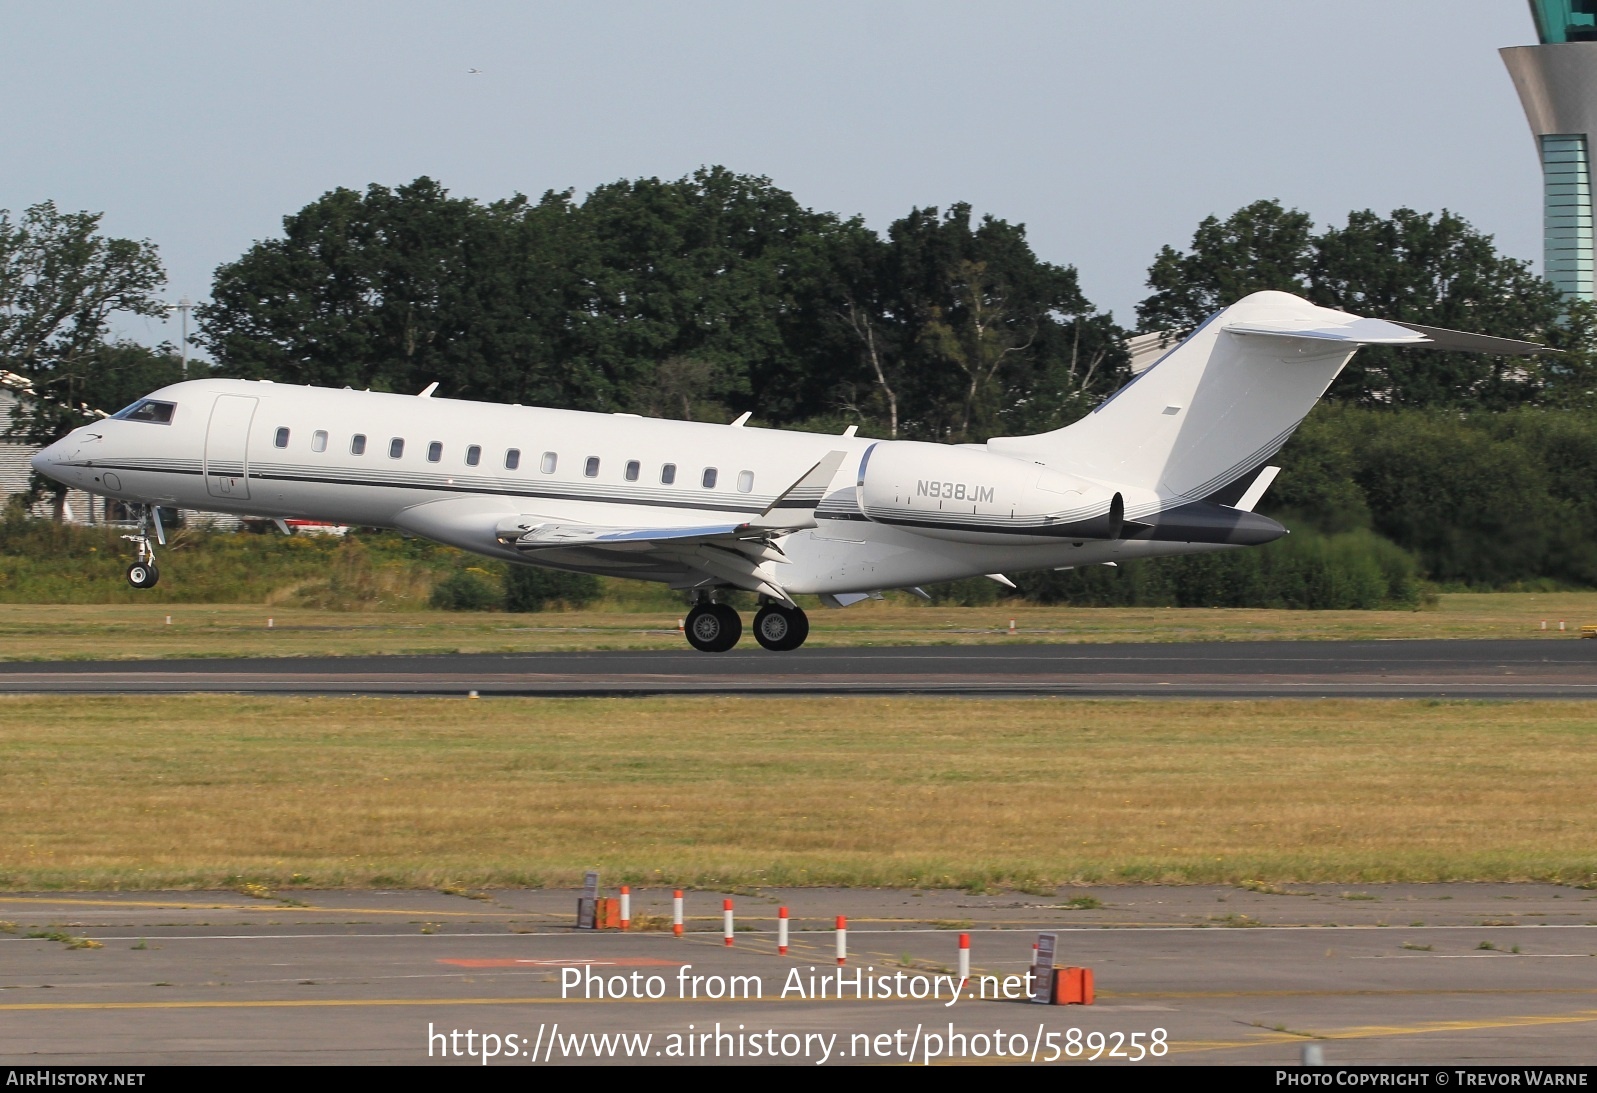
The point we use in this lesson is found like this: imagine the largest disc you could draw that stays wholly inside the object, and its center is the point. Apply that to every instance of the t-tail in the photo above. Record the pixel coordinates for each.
(1202, 422)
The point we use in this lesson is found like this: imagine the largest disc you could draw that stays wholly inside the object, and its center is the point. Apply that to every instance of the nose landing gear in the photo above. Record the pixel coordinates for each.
(143, 573)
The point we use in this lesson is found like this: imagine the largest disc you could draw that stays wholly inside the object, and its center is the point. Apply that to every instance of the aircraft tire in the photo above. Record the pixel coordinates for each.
(781, 629)
(713, 628)
(143, 575)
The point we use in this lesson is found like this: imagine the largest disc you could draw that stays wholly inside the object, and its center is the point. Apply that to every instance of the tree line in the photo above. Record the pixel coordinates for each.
(718, 293)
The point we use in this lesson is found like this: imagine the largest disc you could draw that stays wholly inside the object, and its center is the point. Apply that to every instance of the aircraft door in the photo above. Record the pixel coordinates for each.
(227, 446)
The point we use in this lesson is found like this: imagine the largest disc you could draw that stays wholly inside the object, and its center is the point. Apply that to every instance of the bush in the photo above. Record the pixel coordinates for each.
(467, 590)
(1356, 570)
(530, 588)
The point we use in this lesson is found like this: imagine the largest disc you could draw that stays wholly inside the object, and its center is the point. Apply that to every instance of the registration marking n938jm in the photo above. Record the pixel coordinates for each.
(953, 491)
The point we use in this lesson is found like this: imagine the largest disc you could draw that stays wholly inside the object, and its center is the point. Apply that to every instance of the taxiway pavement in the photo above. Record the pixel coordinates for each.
(1439, 974)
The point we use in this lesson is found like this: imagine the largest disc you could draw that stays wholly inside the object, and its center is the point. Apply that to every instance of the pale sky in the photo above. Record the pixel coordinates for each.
(1107, 128)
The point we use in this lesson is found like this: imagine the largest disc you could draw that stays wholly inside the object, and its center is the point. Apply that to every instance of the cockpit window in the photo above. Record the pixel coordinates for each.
(157, 413)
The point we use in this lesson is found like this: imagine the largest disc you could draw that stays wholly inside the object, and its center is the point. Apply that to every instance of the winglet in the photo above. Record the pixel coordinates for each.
(795, 506)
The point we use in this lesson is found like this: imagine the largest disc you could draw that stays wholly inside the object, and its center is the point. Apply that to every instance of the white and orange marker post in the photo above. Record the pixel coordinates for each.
(781, 931)
(726, 921)
(676, 912)
(842, 940)
(1560, 624)
(626, 907)
(964, 960)
(1011, 626)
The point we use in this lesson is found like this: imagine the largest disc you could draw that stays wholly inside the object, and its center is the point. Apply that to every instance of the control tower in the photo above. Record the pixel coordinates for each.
(1557, 85)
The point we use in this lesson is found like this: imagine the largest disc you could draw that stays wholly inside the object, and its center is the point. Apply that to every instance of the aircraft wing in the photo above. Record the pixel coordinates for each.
(739, 553)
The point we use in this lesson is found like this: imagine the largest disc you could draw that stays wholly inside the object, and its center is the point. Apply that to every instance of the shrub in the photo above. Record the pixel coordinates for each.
(467, 590)
(530, 588)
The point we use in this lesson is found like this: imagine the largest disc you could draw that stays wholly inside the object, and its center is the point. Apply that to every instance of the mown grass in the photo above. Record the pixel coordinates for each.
(209, 791)
(127, 631)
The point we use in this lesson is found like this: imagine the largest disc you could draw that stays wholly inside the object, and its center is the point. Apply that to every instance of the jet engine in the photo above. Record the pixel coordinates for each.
(968, 494)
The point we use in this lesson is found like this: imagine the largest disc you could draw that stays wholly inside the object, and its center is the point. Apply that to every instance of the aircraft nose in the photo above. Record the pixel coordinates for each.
(44, 461)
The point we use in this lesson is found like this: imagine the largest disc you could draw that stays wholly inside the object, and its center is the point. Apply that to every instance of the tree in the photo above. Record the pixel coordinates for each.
(1431, 269)
(1260, 246)
(991, 337)
(396, 288)
(60, 282)
(1437, 270)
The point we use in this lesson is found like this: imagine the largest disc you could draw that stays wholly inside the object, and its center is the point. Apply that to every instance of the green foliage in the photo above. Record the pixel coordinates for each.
(532, 588)
(695, 298)
(1481, 500)
(46, 562)
(970, 592)
(467, 590)
(1426, 268)
(1354, 570)
(1260, 246)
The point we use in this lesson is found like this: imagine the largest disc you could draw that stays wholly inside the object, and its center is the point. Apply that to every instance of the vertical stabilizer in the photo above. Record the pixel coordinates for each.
(1218, 405)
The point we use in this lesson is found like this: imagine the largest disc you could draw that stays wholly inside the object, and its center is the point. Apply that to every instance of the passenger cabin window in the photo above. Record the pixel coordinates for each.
(709, 478)
(435, 451)
(280, 440)
(474, 455)
(319, 440)
(512, 459)
(634, 468)
(668, 474)
(396, 447)
(591, 468)
(549, 461)
(156, 413)
(745, 481)
(357, 444)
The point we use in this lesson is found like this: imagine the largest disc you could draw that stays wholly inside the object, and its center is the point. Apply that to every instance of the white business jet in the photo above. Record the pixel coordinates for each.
(1173, 463)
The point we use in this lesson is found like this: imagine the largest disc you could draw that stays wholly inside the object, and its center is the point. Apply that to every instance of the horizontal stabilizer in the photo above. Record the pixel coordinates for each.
(1354, 332)
(1357, 331)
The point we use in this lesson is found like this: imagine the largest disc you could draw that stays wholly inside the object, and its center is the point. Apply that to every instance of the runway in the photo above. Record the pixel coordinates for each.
(1526, 669)
(1455, 974)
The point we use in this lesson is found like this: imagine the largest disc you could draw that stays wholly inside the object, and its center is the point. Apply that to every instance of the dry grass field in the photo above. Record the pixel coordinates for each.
(208, 791)
(128, 631)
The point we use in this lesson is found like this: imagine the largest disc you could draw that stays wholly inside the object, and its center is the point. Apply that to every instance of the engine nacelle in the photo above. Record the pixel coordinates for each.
(972, 495)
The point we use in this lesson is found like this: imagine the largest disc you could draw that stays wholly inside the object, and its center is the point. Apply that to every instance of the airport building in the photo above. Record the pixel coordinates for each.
(1557, 85)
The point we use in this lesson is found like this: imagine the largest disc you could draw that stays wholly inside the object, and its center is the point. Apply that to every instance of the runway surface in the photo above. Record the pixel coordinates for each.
(1453, 974)
(1528, 669)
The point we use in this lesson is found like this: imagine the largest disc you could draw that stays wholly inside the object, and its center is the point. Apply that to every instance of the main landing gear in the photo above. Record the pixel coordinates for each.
(143, 573)
(715, 627)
